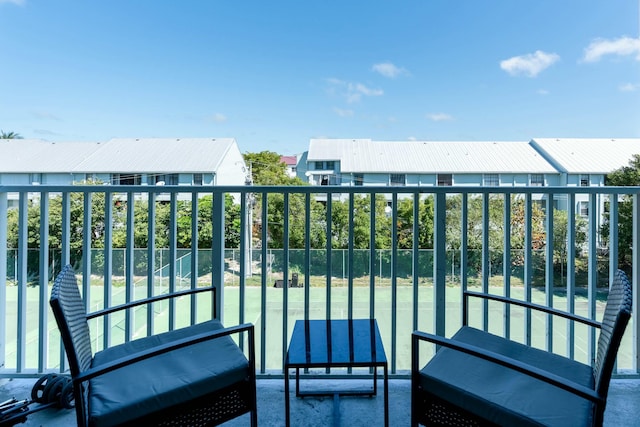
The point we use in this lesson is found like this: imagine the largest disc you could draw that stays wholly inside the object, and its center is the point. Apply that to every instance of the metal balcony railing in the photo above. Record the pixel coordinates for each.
(402, 255)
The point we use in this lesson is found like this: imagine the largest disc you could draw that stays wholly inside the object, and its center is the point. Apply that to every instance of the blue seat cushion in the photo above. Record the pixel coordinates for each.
(166, 380)
(502, 395)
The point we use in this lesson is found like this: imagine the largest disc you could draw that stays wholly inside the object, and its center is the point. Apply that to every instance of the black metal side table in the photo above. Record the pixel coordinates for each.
(344, 343)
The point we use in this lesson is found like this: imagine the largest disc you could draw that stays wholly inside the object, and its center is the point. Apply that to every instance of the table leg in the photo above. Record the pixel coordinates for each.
(386, 396)
(286, 395)
(375, 380)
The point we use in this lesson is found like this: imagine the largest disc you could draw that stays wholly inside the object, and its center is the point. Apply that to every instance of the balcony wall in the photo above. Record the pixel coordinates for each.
(401, 255)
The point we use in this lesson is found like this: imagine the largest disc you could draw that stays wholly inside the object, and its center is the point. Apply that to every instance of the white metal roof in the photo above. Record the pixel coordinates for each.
(143, 155)
(593, 155)
(37, 155)
(366, 156)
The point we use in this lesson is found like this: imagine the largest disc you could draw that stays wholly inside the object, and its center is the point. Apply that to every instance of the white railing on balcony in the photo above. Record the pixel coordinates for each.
(401, 255)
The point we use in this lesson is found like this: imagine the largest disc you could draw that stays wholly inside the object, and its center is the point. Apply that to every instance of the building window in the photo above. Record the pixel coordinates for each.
(584, 180)
(583, 209)
(397, 179)
(197, 179)
(358, 179)
(325, 166)
(126, 179)
(324, 180)
(167, 179)
(491, 180)
(445, 180)
(537, 180)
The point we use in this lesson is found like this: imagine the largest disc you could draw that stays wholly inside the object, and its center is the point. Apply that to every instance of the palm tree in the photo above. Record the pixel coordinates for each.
(9, 135)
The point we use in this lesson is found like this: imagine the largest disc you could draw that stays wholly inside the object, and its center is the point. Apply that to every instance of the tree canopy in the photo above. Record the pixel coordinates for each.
(9, 135)
(624, 176)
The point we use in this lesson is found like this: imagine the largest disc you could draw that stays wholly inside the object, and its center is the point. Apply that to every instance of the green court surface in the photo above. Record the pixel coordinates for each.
(272, 326)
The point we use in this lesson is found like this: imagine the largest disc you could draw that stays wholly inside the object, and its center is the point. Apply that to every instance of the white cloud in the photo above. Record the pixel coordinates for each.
(629, 87)
(622, 46)
(530, 64)
(18, 2)
(45, 131)
(352, 92)
(343, 113)
(217, 118)
(542, 92)
(45, 115)
(440, 117)
(388, 69)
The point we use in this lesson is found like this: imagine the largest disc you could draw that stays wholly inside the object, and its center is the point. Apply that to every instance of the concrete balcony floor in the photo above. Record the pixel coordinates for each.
(622, 407)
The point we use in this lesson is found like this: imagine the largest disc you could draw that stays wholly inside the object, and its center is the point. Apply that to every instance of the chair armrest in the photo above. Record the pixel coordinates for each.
(516, 365)
(149, 301)
(538, 307)
(165, 348)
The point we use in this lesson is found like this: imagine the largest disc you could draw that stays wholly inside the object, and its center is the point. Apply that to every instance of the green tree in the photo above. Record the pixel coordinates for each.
(625, 176)
(9, 135)
(267, 169)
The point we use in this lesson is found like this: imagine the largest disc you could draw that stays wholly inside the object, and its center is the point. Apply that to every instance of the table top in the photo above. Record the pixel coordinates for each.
(342, 342)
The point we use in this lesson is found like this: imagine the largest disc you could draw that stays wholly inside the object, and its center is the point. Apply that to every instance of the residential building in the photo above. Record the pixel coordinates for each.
(363, 162)
(123, 161)
(292, 165)
(585, 162)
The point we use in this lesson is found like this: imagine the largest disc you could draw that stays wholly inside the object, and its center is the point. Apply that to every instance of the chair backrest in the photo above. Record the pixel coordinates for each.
(616, 316)
(71, 316)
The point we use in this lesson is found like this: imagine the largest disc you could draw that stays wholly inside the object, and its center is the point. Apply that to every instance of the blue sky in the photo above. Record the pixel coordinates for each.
(273, 74)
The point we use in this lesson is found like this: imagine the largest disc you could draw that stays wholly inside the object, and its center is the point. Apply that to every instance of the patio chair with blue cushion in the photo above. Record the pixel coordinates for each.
(477, 378)
(195, 375)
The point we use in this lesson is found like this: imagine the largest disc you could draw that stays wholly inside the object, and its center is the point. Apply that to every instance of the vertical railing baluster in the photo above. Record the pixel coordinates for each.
(635, 283)
(285, 278)
(108, 266)
(506, 262)
(195, 238)
(439, 263)
(173, 231)
(43, 302)
(528, 270)
(217, 254)
(416, 255)
(592, 281)
(548, 282)
(65, 250)
(263, 283)
(486, 269)
(394, 281)
(86, 251)
(129, 267)
(23, 253)
(245, 241)
(151, 257)
(4, 213)
(464, 252)
(613, 245)
(329, 247)
(350, 260)
(372, 256)
(65, 258)
(307, 254)
(613, 236)
(571, 272)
